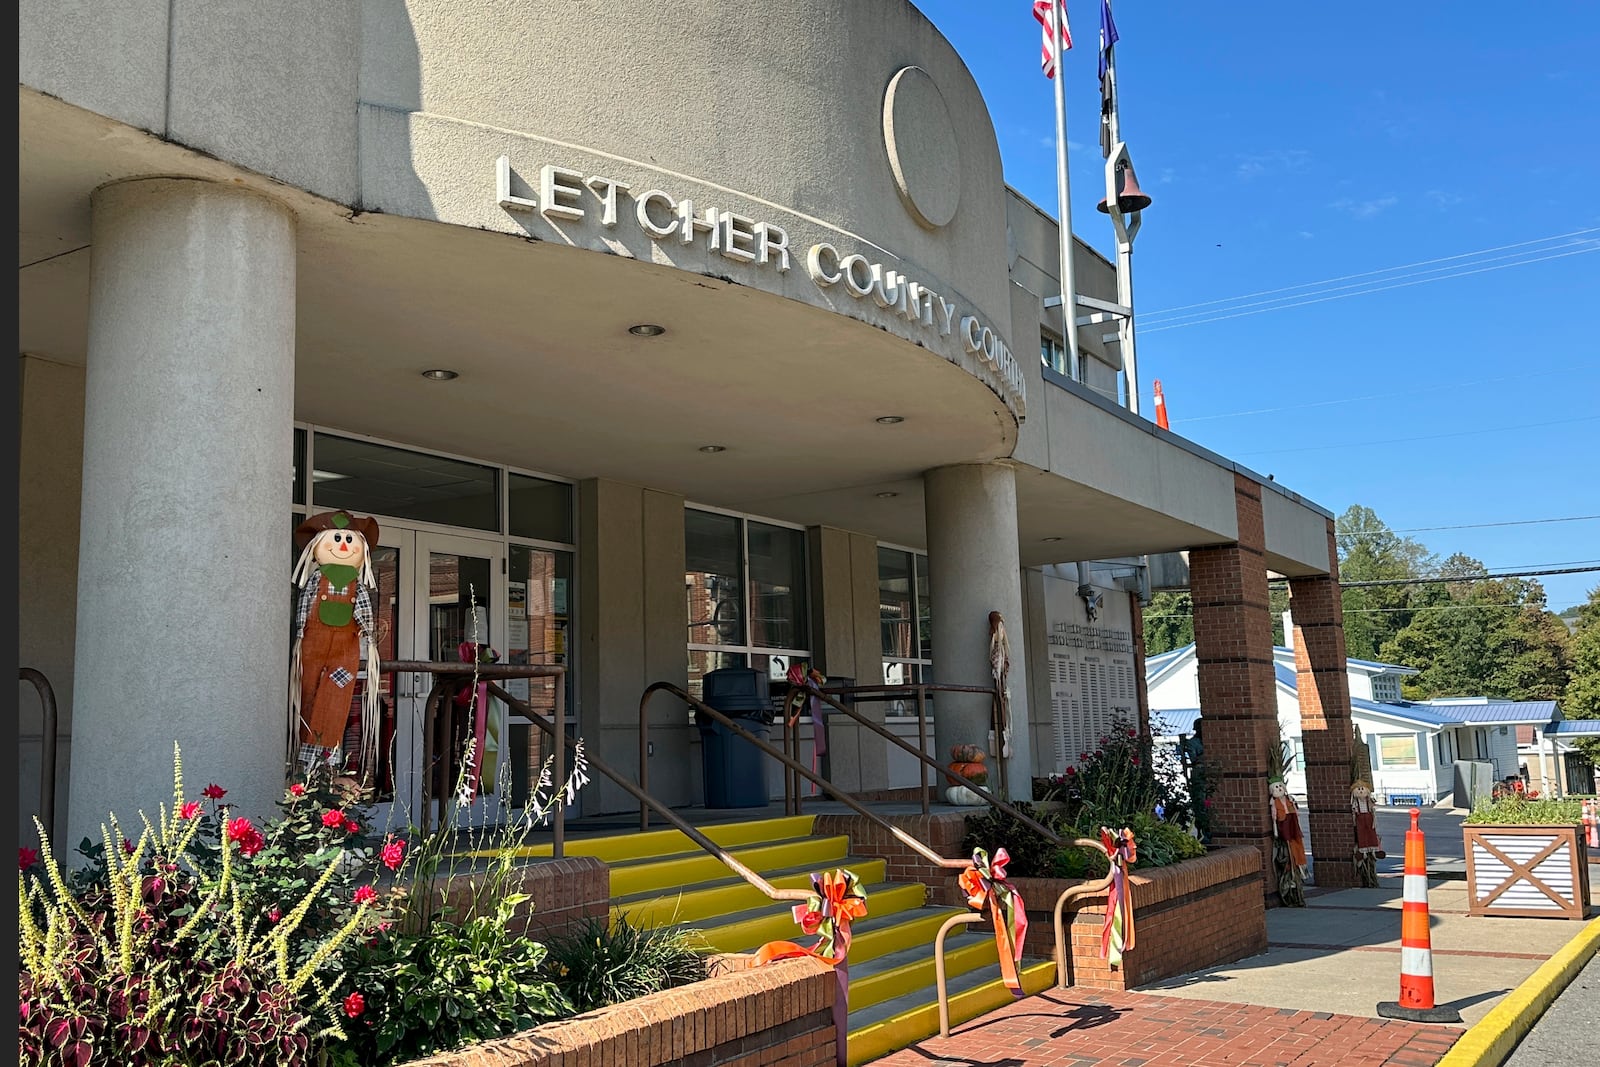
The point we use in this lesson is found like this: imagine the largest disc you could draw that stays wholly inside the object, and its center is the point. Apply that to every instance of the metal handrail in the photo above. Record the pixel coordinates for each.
(678, 823)
(782, 757)
(47, 746)
(988, 797)
(1083, 889)
(446, 677)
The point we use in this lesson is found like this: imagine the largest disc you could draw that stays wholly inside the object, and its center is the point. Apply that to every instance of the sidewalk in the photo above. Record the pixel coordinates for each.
(1309, 1001)
(1568, 1033)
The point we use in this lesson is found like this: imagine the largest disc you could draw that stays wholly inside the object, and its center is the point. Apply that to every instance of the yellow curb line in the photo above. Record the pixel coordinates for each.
(1490, 1041)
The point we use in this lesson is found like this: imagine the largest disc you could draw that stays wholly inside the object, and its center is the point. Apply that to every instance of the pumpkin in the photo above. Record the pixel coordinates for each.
(971, 770)
(968, 754)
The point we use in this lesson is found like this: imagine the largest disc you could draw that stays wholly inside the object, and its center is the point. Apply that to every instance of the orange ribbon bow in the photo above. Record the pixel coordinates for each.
(985, 885)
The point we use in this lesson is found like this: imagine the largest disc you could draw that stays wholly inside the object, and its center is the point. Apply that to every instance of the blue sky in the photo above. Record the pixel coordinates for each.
(1286, 144)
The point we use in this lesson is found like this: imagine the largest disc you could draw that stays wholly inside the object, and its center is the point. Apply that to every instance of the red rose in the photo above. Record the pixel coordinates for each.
(351, 826)
(274, 915)
(297, 790)
(1133, 733)
(190, 809)
(1072, 770)
(27, 857)
(330, 819)
(213, 792)
(354, 1005)
(247, 837)
(394, 853)
(127, 847)
(365, 895)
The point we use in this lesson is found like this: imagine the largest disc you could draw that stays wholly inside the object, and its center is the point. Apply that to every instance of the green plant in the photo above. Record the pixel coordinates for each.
(1161, 844)
(1515, 810)
(160, 960)
(598, 963)
(1033, 855)
(1077, 861)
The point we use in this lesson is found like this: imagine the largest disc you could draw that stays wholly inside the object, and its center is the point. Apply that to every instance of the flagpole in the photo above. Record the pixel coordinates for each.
(1069, 288)
(1125, 232)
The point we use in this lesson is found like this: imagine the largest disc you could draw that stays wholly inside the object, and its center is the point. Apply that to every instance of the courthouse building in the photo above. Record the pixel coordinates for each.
(657, 338)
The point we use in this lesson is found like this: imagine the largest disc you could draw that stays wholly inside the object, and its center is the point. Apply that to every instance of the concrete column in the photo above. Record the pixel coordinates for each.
(973, 569)
(633, 628)
(183, 577)
(846, 642)
(1238, 700)
(1324, 687)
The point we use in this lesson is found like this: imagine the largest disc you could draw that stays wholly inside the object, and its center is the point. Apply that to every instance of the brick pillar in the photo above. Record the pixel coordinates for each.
(1141, 685)
(1238, 694)
(1319, 661)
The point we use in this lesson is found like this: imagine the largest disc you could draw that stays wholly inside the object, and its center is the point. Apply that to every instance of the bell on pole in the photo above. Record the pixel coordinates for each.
(1130, 197)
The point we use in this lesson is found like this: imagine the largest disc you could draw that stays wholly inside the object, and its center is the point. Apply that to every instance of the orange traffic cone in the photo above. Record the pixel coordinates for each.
(1416, 949)
(1161, 407)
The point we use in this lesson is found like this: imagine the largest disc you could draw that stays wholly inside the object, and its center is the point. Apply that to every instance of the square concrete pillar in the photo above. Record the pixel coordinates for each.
(1238, 699)
(1324, 686)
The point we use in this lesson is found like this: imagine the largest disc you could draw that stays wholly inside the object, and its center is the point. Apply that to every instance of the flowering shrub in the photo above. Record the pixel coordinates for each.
(1125, 777)
(159, 956)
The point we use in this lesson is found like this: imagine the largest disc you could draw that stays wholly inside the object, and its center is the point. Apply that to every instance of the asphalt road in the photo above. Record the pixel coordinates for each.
(1568, 1033)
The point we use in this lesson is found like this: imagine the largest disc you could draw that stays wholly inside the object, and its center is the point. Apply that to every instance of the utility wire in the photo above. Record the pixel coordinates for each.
(1518, 257)
(1371, 273)
(1486, 525)
(1469, 577)
(1365, 292)
(1429, 437)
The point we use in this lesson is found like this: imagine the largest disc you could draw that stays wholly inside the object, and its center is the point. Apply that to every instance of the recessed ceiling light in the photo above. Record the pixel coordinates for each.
(887, 495)
(1049, 540)
(713, 448)
(890, 420)
(439, 375)
(647, 329)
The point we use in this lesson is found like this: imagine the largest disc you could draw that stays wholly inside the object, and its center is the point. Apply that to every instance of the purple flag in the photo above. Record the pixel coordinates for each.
(1108, 37)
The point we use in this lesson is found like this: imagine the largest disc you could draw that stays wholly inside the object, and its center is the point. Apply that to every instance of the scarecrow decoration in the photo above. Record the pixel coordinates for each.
(1000, 667)
(334, 631)
(1369, 847)
(1288, 846)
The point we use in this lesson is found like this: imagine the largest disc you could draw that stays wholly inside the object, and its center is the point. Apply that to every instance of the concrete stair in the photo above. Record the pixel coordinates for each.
(662, 878)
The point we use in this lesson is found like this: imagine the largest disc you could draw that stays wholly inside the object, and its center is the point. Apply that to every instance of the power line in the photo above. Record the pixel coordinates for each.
(1366, 292)
(1440, 579)
(1385, 270)
(1486, 525)
(1443, 272)
(1429, 437)
(1382, 396)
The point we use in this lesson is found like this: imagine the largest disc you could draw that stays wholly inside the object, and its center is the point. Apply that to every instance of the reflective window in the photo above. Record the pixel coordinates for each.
(540, 509)
(905, 621)
(370, 478)
(714, 578)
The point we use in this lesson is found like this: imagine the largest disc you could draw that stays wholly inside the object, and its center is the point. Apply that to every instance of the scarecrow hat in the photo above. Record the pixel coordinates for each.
(366, 526)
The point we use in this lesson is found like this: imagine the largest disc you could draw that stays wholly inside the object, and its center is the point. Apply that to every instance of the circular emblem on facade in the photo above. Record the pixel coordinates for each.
(923, 153)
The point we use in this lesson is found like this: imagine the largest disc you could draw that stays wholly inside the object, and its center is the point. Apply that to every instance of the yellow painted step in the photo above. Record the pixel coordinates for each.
(693, 906)
(637, 845)
(778, 924)
(890, 1035)
(867, 990)
(917, 928)
(676, 872)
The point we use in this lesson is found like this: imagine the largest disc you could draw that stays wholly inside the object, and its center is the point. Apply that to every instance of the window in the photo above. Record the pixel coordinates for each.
(745, 581)
(1386, 687)
(905, 623)
(377, 479)
(1397, 751)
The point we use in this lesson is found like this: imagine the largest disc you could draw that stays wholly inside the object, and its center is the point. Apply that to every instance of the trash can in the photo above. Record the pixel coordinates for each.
(734, 769)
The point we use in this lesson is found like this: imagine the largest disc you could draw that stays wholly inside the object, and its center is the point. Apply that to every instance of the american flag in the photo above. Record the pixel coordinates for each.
(1046, 12)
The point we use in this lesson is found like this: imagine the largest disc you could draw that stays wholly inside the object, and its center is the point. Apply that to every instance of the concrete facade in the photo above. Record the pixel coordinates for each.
(217, 200)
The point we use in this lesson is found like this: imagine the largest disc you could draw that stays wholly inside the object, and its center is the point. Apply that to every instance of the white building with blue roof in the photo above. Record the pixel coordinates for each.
(1415, 746)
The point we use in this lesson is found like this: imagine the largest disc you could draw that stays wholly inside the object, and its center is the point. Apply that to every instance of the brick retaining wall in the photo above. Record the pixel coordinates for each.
(1192, 915)
(780, 1015)
(560, 892)
(941, 831)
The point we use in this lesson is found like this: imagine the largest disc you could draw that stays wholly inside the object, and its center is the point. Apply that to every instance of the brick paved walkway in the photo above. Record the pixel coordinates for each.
(1079, 1028)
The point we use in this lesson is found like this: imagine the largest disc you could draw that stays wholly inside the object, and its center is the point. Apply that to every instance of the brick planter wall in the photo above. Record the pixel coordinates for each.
(1192, 915)
(941, 831)
(780, 1015)
(560, 892)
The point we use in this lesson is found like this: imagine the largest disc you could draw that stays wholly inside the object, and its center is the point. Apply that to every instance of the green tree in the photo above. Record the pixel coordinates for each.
(1369, 551)
(1582, 698)
(1168, 622)
(1493, 637)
